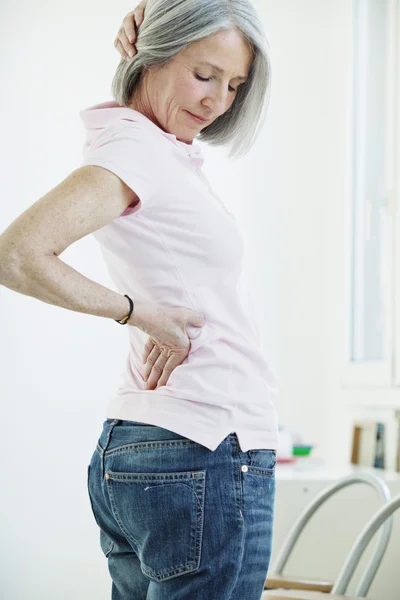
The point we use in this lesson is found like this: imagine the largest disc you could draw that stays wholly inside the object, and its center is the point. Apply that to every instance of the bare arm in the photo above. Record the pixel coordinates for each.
(85, 201)
(29, 247)
(51, 280)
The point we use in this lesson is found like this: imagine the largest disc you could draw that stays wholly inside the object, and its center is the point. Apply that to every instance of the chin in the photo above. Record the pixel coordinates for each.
(185, 139)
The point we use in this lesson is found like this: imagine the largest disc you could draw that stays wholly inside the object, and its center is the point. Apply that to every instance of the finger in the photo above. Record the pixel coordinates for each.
(129, 48)
(139, 13)
(120, 49)
(163, 379)
(132, 22)
(151, 359)
(148, 348)
(173, 361)
(156, 372)
(128, 25)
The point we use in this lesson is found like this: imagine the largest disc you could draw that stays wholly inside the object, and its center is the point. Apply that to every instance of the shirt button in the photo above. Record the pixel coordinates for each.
(245, 468)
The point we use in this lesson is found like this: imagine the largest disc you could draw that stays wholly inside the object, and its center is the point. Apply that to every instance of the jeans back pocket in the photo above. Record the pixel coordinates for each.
(161, 514)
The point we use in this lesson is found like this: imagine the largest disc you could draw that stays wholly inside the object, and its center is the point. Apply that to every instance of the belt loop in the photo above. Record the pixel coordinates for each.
(112, 425)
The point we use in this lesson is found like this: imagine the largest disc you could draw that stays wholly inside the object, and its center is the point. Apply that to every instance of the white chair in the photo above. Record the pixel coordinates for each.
(278, 580)
(381, 517)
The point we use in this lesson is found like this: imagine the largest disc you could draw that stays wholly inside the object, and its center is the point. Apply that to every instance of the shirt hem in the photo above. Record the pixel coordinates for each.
(178, 415)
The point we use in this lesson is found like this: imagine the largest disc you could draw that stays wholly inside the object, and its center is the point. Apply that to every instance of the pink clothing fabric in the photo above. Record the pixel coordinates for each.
(180, 247)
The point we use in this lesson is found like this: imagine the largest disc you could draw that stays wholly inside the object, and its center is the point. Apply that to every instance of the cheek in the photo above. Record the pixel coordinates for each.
(189, 90)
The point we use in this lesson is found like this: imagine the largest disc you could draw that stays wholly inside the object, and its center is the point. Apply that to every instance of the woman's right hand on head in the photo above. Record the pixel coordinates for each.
(126, 37)
(168, 344)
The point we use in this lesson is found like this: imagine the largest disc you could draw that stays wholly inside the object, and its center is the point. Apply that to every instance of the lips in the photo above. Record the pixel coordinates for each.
(202, 119)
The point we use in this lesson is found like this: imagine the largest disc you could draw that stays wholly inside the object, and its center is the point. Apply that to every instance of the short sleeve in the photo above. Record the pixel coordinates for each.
(126, 148)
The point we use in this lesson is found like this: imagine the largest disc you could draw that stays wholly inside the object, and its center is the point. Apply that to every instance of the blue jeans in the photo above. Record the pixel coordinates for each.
(178, 521)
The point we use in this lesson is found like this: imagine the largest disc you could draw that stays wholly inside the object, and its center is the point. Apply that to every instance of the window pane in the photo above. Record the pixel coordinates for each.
(371, 31)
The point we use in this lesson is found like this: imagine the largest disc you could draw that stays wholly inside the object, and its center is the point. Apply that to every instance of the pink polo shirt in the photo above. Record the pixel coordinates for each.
(180, 247)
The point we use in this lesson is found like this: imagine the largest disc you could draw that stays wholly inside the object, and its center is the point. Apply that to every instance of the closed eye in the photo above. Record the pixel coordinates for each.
(231, 89)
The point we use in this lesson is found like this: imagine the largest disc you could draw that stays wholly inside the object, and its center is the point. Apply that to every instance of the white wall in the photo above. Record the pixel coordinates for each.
(58, 368)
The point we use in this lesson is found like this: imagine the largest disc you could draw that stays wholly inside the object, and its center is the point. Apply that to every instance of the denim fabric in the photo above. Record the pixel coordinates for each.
(178, 521)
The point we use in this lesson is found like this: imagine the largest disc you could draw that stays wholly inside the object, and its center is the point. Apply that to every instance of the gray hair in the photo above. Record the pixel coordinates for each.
(169, 26)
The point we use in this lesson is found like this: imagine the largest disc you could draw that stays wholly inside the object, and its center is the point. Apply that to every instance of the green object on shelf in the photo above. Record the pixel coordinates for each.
(301, 450)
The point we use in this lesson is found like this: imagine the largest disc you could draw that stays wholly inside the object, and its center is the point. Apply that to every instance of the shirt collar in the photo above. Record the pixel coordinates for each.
(194, 151)
(96, 114)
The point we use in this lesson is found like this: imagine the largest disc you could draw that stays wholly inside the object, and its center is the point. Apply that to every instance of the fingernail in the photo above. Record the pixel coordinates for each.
(130, 52)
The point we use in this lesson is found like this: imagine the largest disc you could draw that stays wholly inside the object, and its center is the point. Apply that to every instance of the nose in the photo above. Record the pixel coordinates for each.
(219, 101)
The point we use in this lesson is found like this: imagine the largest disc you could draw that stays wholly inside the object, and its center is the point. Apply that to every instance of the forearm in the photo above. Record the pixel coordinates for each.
(51, 280)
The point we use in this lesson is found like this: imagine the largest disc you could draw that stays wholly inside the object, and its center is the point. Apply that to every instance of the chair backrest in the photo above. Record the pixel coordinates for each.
(383, 515)
(344, 577)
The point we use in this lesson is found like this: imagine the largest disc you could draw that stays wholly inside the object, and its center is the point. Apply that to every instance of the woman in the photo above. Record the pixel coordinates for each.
(182, 479)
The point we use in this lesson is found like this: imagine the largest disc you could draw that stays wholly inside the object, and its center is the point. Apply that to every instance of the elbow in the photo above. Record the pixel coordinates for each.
(10, 268)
